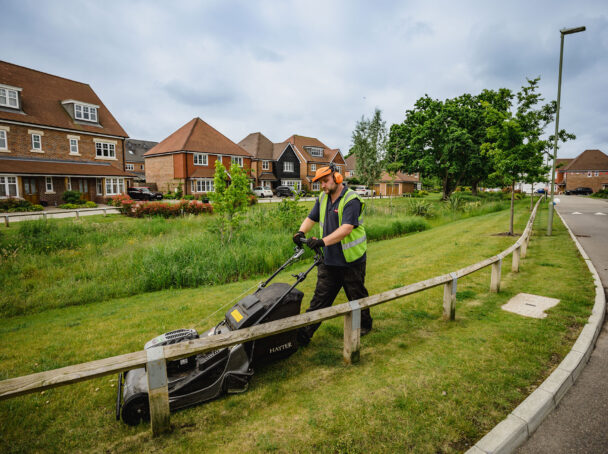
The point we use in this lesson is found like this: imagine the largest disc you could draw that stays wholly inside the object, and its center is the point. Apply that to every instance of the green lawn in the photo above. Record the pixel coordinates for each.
(422, 385)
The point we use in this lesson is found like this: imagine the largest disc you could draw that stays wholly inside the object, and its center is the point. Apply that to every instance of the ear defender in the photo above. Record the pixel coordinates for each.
(338, 178)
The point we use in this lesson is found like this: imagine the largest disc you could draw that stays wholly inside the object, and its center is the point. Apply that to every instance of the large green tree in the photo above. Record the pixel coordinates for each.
(443, 139)
(369, 147)
(516, 144)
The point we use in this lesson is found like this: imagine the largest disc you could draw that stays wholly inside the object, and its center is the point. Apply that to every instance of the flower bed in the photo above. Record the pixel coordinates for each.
(166, 210)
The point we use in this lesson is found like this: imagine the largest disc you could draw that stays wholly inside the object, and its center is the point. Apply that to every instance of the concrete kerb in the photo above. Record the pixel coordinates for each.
(511, 432)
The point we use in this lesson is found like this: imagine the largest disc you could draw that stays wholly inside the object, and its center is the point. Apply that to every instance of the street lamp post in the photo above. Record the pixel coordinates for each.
(563, 32)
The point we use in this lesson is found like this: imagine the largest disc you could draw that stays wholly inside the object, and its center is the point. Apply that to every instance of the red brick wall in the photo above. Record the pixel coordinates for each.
(56, 145)
(574, 180)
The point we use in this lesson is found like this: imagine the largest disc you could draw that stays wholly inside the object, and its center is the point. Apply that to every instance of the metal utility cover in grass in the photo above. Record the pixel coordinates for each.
(530, 305)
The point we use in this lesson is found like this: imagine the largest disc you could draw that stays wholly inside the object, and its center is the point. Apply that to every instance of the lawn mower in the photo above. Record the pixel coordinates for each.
(203, 377)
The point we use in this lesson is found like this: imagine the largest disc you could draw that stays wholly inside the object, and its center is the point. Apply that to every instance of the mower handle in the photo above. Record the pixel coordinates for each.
(317, 250)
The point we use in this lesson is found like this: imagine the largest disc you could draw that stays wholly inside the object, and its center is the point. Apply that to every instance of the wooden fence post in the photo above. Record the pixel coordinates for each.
(158, 391)
(524, 246)
(515, 263)
(495, 281)
(6, 220)
(44, 216)
(449, 298)
(77, 214)
(105, 211)
(352, 333)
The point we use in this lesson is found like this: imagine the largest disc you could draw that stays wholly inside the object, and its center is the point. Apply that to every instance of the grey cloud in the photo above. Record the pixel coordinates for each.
(193, 95)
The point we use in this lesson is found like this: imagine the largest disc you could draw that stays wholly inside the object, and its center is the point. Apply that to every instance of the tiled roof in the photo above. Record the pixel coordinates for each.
(302, 142)
(277, 149)
(398, 178)
(351, 163)
(41, 96)
(198, 136)
(203, 172)
(34, 166)
(268, 176)
(135, 149)
(258, 145)
(588, 160)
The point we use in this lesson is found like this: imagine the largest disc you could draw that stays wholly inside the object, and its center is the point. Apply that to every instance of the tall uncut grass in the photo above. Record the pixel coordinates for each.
(57, 263)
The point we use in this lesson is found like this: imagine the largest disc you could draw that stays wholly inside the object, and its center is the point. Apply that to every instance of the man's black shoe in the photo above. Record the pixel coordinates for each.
(365, 331)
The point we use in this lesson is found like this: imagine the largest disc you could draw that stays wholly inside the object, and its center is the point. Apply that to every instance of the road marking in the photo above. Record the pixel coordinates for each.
(600, 214)
(576, 212)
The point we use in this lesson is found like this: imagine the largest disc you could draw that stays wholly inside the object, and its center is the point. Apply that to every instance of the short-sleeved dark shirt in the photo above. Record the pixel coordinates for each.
(350, 215)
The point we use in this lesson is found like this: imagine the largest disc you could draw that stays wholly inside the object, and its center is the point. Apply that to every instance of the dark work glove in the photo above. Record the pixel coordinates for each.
(315, 243)
(298, 237)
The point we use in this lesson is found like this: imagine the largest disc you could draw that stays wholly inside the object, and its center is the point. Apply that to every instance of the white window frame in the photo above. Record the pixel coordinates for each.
(293, 184)
(69, 186)
(105, 149)
(265, 165)
(129, 166)
(3, 140)
(85, 112)
(313, 167)
(36, 144)
(589, 174)
(202, 185)
(200, 159)
(73, 141)
(315, 151)
(6, 181)
(48, 185)
(99, 186)
(316, 186)
(288, 167)
(8, 94)
(115, 186)
(596, 173)
(238, 160)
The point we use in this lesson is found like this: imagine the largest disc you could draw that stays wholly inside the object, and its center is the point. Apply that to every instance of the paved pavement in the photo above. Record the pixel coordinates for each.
(579, 423)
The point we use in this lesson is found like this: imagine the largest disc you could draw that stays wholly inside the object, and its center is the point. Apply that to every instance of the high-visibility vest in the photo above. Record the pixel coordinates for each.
(354, 244)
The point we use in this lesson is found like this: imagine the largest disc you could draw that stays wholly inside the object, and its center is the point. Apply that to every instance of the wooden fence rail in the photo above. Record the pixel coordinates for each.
(351, 311)
(50, 214)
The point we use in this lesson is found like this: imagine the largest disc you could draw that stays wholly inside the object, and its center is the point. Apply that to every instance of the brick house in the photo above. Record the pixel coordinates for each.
(56, 135)
(134, 157)
(187, 158)
(262, 162)
(389, 185)
(351, 164)
(293, 162)
(397, 184)
(589, 169)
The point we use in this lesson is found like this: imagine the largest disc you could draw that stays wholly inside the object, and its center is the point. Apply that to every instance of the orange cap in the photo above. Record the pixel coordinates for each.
(321, 172)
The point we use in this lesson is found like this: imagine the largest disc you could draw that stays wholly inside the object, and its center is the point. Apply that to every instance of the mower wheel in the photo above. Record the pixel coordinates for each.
(136, 409)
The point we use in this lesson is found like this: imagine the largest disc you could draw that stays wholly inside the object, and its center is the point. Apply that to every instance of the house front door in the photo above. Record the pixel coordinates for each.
(82, 185)
(30, 190)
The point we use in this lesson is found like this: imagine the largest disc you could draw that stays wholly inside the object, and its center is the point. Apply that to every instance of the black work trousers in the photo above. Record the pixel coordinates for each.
(330, 279)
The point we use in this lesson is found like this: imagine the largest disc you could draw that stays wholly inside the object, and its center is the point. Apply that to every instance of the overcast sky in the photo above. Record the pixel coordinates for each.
(311, 68)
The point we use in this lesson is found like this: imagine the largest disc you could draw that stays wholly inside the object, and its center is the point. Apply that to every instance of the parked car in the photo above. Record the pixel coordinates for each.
(362, 190)
(262, 192)
(541, 191)
(579, 191)
(143, 193)
(283, 191)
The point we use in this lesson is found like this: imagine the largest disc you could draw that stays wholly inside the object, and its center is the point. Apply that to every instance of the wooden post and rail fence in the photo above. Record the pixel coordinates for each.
(50, 214)
(155, 359)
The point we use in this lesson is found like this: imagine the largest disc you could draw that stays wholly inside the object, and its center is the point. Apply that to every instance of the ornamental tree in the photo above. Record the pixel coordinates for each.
(229, 198)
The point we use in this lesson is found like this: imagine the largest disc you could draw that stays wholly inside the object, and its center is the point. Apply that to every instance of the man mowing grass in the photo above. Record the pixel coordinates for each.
(339, 212)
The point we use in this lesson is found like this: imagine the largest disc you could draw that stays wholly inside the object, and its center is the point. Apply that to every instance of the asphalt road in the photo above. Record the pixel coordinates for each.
(579, 423)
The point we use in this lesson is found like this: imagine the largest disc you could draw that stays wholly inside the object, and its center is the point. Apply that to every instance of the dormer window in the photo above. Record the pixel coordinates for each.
(9, 96)
(86, 113)
(81, 111)
(315, 151)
